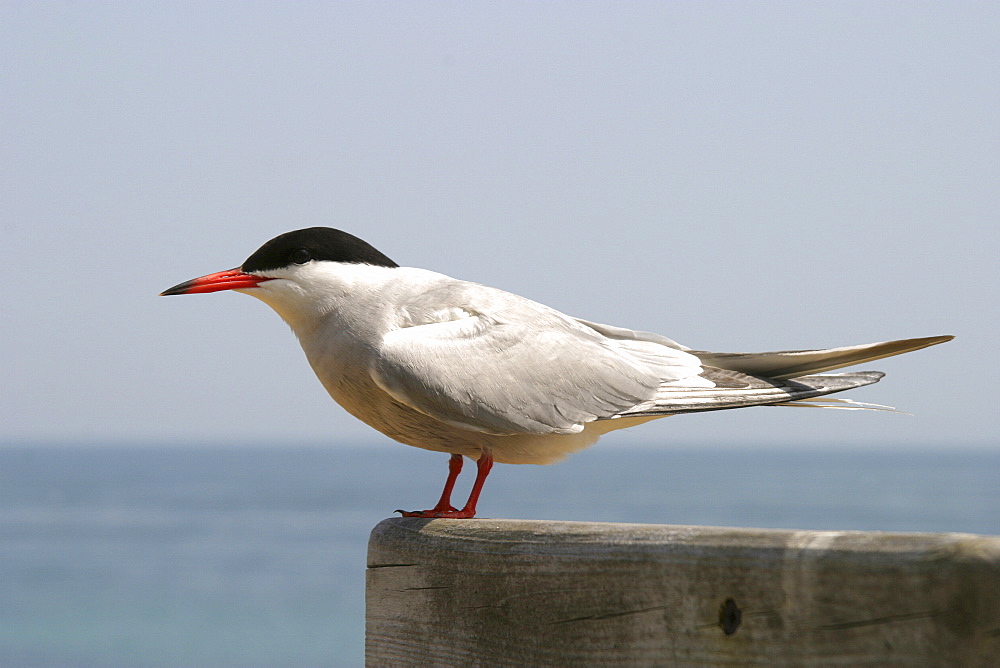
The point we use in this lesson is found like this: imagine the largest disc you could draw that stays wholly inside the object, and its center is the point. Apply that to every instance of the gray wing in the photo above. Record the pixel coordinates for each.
(497, 363)
(795, 363)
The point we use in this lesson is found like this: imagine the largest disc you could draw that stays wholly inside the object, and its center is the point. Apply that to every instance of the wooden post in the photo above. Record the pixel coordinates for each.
(533, 593)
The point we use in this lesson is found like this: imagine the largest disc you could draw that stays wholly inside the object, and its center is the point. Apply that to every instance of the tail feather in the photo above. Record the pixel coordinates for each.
(786, 364)
(671, 399)
(839, 404)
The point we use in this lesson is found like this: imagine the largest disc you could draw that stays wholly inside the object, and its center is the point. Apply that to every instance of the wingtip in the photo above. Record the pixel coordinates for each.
(929, 341)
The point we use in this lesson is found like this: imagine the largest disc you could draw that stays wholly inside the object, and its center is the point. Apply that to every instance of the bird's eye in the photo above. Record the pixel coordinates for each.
(301, 256)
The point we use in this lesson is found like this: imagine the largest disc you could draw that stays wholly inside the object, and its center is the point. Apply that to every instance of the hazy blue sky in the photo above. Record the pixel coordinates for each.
(737, 176)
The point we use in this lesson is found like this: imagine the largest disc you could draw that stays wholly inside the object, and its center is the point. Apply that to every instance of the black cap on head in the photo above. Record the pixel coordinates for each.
(314, 243)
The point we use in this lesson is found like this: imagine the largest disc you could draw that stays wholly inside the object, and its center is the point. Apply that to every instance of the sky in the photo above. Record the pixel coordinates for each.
(736, 176)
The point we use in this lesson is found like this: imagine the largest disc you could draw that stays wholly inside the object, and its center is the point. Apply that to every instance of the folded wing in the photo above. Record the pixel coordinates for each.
(523, 368)
(500, 364)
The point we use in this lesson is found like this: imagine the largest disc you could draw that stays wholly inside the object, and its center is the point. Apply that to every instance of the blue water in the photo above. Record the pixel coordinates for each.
(227, 556)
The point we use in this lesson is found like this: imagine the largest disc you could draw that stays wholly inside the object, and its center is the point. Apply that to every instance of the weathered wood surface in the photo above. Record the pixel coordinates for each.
(534, 593)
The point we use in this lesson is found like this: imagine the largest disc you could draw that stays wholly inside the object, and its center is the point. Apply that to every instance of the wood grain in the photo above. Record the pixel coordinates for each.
(538, 593)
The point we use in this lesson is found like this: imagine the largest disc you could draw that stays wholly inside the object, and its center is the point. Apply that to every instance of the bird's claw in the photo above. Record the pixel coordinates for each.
(439, 513)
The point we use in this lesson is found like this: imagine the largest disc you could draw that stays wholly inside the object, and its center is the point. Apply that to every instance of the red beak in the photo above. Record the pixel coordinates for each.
(231, 279)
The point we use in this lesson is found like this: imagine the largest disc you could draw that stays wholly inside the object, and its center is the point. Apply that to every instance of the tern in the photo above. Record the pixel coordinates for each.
(472, 371)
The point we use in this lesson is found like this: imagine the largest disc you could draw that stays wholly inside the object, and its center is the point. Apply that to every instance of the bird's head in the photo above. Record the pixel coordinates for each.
(293, 271)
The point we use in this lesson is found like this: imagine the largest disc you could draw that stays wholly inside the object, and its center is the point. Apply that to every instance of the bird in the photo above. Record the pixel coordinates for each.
(476, 372)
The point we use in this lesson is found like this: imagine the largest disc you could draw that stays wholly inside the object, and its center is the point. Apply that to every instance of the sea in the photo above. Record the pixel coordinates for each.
(139, 555)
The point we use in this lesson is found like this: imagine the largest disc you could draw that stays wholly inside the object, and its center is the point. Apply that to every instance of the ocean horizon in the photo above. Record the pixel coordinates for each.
(220, 555)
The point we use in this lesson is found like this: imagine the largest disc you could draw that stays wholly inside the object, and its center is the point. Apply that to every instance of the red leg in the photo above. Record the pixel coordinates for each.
(454, 468)
(483, 467)
(444, 503)
(444, 507)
